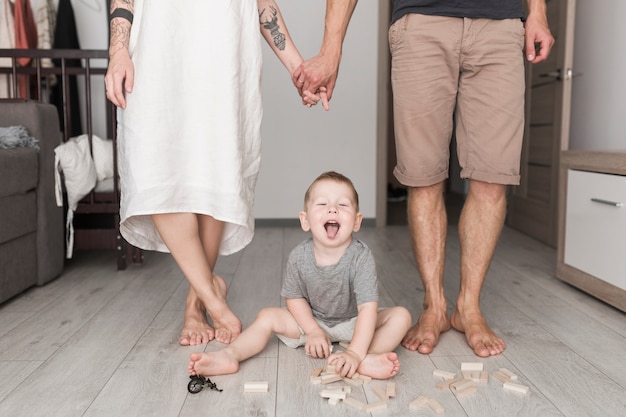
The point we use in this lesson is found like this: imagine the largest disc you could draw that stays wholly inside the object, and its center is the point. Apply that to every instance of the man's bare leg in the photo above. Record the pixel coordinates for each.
(428, 227)
(480, 225)
(181, 233)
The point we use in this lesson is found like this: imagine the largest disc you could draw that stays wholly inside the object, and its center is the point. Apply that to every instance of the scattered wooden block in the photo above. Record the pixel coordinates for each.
(391, 389)
(344, 344)
(333, 401)
(444, 374)
(316, 372)
(371, 407)
(354, 403)
(484, 377)
(328, 378)
(418, 402)
(255, 386)
(500, 376)
(461, 384)
(331, 393)
(381, 393)
(512, 386)
(467, 391)
(471, 366)
(366, 379)
(479, 376)
(511, 375)
(353, 381)
(444, 385)
(435, 406)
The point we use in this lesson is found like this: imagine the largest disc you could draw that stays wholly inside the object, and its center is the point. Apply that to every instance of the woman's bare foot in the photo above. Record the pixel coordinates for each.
(212, 363)
(227, 325)
(196, 329)
(424, 334)
(479, 335)
(380, 365)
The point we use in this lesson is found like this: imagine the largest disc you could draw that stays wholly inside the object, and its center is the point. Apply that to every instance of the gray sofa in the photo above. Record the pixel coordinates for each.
(31, 224)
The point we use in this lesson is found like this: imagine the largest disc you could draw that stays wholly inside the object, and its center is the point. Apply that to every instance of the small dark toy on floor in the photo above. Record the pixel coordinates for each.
(198, 383)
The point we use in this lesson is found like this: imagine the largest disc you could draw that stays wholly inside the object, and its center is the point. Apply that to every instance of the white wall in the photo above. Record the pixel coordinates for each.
(300, 143)
(598, 119)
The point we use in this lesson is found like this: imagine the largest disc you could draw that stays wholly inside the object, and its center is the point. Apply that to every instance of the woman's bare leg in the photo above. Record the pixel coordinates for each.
(272, 320)
(181, 232)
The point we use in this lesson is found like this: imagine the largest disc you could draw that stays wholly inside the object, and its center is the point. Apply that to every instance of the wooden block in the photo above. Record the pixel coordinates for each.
(255, 386)
(316, 380)
(471, 366)
(365, 379)
(381, 393)
(354, 403)
(418, 402)
(467, 391)
(444, 385)
(511, 375)
(344, 344)
(484, 377)
(467, 374)
(316, 372)
(444, 374)
(371, 407)
(461, 384)
(435, 406)
(391, 389)
(352, 381)
(328, 378)
(500, 376)
(333, 401)
(475, 375)
(330, 393)
(512, 386)
(343, 388)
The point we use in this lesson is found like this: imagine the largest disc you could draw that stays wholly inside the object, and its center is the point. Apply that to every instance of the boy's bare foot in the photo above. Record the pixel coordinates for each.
(212, 363)
(380, 365)
(227, 325)
(196, 329)
(424, 334)
(479, 335)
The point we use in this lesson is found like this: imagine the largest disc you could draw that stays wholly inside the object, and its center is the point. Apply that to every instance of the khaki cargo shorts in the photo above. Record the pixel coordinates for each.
(464, 73)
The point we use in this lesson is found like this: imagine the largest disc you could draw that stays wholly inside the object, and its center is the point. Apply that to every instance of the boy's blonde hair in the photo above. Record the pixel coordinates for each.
(333, 176)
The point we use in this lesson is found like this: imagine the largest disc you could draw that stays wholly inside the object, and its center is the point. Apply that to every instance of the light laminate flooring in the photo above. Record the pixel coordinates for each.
(98, 342)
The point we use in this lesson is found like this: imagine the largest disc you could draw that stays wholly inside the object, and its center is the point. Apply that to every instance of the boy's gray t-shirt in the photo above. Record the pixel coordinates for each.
(333, 291)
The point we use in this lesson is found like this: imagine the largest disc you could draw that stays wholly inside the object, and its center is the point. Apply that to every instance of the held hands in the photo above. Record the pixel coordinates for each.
(317, 344)
(346, 363)
(120, 78)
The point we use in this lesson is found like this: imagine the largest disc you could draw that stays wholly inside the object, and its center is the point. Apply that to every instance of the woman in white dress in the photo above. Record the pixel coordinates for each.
(186, 79)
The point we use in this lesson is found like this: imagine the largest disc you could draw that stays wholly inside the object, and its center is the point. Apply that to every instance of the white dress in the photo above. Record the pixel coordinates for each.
(190, 137)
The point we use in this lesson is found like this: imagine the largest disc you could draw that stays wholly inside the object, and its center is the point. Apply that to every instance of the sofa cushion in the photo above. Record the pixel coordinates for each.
(19, 171)
(19, 216)
(18, 265)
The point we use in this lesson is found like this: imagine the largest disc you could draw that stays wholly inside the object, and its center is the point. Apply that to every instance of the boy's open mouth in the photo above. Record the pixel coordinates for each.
(332, 228)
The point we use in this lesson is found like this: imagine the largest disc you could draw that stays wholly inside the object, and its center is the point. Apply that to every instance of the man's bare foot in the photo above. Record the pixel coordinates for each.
(380, 365)
(196, 329)
(212, 363)
(479, 335)
(227, 325)
(424, 334)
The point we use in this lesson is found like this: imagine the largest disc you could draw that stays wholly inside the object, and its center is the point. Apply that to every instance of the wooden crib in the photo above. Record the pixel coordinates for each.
(60, 75)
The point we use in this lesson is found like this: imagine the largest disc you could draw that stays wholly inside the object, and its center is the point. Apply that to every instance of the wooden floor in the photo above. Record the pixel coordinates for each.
(97, 342)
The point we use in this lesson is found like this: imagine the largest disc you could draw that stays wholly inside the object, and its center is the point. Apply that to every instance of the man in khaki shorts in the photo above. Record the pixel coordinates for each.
(460, 64)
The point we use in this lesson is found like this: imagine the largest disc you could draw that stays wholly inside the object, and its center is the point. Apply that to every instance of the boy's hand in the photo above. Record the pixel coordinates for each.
(346, 363)
(317, 344)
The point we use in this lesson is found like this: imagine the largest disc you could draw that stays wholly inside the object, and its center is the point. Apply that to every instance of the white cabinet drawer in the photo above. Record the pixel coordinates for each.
(595, 225)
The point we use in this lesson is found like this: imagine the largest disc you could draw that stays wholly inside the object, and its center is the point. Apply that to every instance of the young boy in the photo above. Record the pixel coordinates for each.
(331, 293)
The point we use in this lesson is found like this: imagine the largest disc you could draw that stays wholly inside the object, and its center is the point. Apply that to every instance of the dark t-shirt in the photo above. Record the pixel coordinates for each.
(490, 9)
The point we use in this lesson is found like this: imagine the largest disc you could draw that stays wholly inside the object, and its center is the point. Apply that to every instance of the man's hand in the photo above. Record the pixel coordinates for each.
(317, 75)
(539, 40)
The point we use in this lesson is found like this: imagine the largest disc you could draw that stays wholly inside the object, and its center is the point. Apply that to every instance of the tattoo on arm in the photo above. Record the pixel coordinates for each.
(271, 24)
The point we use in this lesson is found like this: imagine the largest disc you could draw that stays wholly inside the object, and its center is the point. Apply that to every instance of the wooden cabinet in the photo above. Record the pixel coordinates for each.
(592, 224)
